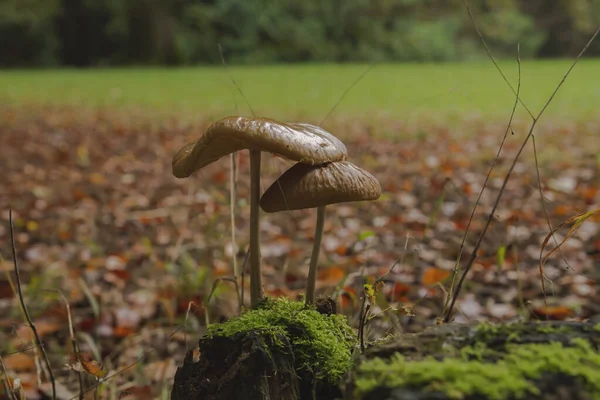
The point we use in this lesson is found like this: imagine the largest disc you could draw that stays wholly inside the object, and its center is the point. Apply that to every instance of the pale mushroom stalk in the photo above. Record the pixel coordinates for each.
(314, 257)
(316, 186)
(256, 288)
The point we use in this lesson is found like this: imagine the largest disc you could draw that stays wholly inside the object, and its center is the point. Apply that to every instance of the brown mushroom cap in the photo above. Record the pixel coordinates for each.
(308, 186)
(305, 143)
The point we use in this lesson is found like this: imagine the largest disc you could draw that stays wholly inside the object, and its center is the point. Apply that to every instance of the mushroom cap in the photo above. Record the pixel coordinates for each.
(308, 186)
(305, 143)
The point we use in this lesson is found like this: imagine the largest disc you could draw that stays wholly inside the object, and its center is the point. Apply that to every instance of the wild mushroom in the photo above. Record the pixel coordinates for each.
(305, 143)
(305, 186)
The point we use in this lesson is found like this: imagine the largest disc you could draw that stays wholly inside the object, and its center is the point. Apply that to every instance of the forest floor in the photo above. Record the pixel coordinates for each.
(135, 251)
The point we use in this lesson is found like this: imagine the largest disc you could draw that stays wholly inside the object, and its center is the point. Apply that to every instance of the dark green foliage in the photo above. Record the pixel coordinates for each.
(27, 32)
(171, 32)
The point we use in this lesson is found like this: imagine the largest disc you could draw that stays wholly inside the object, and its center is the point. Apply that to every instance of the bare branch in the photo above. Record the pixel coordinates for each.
(345, 93)
(24, 307)
(447, 306)
(489, 52)
(507, 177)
(233, 80)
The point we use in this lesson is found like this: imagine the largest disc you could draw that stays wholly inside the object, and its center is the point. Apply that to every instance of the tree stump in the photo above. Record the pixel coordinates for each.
(281, 351)
(247, 366)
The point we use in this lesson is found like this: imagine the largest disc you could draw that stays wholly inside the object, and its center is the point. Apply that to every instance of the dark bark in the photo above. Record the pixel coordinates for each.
(245, 367)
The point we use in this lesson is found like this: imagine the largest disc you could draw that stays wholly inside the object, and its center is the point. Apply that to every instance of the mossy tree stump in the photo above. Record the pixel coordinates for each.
(283, 350)
(536, 360)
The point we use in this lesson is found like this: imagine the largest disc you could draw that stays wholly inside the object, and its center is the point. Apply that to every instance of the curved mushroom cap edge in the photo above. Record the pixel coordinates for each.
(300, 142)
(307, 186)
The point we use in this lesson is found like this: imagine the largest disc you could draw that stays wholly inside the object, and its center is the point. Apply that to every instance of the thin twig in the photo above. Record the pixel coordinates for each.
(215, 284)
(24, 307)
(99, 381)
(232, 192)
(399, 260)
(507, 177)
(241, 306)
(8, 386)
(233, 80)
(361, 324)
(187, 316)
(485, 182)
(232, 188)
(547, 215)
(74, 344)
(491, 56)
(345, 93)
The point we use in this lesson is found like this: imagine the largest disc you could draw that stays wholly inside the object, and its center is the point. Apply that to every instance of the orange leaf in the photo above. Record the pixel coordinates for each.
(122, 274)
(19, 362)
(64, 235)
(279, 292)
(433, 275)
(96, 178)
(123, 331)
(332, 274)
(407, 185)
(589, 193)
(447, 168)
(78, 194)
(562, 210)
(220, 176)
(556, 313)
(400, 291)
(467, 189)
(348, 297)
(343, 250)
(93, 368)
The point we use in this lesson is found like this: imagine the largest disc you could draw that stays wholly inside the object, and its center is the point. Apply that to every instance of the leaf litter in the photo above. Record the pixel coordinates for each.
(99, 216)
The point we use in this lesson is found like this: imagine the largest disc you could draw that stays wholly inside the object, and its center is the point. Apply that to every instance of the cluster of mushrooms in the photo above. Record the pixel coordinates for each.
(320, 177)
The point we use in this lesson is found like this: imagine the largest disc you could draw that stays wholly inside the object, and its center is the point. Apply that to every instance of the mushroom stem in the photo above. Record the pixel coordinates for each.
(256, 289)
(314, 258)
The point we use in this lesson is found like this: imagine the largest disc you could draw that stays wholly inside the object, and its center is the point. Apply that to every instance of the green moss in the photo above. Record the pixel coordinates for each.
(510, 374)
(514, 331)
(322, 344)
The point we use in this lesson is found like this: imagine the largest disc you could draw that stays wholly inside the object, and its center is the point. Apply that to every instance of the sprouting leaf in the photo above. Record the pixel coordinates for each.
(370, 292)
(501, 256)
(83, 156)
(365, 234)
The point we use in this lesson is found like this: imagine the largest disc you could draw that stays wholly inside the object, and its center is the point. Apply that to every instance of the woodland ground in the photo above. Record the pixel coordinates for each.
(86, 167)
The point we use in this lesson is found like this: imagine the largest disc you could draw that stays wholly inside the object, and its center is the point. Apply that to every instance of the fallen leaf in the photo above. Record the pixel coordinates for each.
(433, 275)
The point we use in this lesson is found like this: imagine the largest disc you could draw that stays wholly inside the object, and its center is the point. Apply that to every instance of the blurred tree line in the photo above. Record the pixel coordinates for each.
(175, 32)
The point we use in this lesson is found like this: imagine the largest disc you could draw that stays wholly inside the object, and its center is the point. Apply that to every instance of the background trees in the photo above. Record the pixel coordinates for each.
(175, 32)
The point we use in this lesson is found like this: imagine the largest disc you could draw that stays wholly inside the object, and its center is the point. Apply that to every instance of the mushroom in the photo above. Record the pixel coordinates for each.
(305, 143)
(306, 186)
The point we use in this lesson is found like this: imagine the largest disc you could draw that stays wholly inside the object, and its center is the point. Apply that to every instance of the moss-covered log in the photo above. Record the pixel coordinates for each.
(281, 351)
(549, 360)
(286, 351)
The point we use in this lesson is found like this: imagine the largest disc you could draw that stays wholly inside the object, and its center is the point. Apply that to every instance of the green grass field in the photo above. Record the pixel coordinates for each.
(396, 91)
